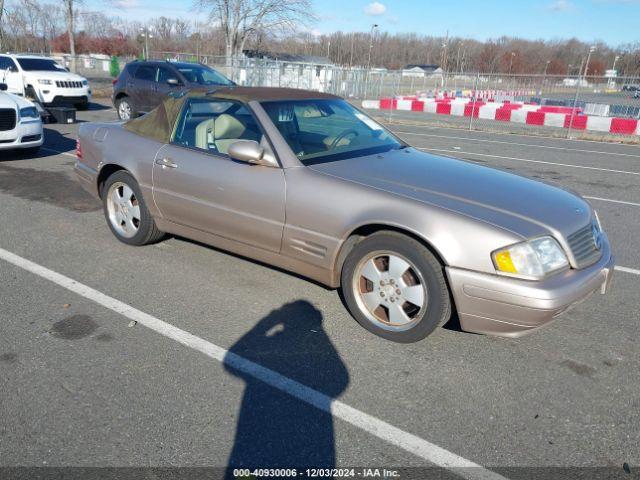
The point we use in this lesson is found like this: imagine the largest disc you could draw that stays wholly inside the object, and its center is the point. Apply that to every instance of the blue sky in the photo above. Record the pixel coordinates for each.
(612, 21)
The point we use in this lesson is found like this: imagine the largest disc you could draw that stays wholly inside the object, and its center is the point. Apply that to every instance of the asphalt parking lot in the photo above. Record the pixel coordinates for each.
(103, 371)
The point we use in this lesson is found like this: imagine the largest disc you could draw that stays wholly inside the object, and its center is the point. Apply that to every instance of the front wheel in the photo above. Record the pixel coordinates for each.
(395, 287)
(126, 212)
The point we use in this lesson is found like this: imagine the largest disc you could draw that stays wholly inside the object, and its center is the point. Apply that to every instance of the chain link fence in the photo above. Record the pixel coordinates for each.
(599, 108)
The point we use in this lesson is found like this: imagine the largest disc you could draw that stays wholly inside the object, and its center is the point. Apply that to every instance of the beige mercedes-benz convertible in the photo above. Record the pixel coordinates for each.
(308, 183)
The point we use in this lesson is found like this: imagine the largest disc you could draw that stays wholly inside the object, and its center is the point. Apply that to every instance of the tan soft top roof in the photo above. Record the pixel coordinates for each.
(158, 124)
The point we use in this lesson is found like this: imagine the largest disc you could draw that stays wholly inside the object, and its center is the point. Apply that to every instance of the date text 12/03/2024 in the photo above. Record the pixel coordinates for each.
(259, 473)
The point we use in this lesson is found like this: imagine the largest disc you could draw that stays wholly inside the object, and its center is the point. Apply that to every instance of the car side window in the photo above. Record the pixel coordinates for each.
(7, 63)
(213, 125)
(146, 72)
(165, 74)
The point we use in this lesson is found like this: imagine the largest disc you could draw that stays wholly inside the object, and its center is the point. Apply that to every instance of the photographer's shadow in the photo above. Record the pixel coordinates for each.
(275, 429)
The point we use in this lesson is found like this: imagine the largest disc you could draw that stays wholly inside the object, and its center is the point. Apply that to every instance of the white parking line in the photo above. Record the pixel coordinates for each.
(528, 160)
(370, 424)
(612, 201)
(470, 139)
(633, 271)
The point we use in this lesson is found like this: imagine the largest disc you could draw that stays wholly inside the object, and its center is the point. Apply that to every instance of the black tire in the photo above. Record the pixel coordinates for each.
(125, 100)
(438, 306)
(147, 232)
(30, 93)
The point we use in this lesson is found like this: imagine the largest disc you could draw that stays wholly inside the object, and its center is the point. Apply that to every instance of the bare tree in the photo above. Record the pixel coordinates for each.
(239, 19)
(70, 14)
(1, 26)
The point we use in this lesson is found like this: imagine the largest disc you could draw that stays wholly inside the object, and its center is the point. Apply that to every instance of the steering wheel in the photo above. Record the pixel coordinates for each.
(343, 134)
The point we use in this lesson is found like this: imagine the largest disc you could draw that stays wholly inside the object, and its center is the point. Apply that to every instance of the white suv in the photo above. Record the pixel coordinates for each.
(44, 80)
(20, 123)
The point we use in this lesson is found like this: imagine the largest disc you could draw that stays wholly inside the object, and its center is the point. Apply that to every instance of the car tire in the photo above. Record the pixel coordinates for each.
(31, 94)
(126, 212)
(123, 105)
(386, 300)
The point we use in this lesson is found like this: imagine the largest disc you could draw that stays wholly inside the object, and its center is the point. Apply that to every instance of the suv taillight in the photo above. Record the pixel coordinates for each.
(114, 81)
(78, 149)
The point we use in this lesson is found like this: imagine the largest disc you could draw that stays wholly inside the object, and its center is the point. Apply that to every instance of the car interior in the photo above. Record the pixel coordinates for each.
(214, 126)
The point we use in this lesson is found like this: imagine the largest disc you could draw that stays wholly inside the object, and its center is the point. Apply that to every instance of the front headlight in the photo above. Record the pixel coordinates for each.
(533, 259)
(44, 81)
(85, 82)
(29, 112)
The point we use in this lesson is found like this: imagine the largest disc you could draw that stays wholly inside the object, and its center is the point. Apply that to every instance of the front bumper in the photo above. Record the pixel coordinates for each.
(52, 95)
(27, 134)
(508, 307)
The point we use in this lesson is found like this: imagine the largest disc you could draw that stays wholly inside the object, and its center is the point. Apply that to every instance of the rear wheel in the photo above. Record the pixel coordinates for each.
(395, 287)
(126, 212)
(124, 108)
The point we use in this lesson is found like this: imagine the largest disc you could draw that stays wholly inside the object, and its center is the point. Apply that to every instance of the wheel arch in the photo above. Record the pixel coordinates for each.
(120, 95)
(368, 229)
(105, 172)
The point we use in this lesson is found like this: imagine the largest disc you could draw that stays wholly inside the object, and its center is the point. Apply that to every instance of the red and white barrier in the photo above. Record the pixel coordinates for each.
(517, 112)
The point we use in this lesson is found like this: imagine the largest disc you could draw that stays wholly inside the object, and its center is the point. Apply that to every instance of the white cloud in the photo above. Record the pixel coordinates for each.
(375, 8)
(124, 4)
(560, 6)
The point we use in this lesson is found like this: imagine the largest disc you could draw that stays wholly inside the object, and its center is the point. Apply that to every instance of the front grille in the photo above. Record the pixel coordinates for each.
(583, 245)
(7, 119)
(68, 84)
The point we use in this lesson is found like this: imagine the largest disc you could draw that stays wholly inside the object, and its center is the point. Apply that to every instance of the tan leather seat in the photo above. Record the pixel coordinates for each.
(219, 132)
(227, 130)
(204, 134)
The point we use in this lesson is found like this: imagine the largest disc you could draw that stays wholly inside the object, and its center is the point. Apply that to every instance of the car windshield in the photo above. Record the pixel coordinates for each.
(40, 64)
(326, 130)
(203, 75)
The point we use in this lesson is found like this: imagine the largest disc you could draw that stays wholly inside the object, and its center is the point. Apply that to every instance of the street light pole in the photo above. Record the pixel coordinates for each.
(586, 67)
(513, 54)
(147, 35)
(544, 75)
(373, 27)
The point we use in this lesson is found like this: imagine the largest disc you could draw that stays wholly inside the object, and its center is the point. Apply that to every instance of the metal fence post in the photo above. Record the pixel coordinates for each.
(474, 100)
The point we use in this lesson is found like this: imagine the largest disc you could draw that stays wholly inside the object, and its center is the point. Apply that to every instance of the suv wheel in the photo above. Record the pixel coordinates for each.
(124, 108)
(395, 287)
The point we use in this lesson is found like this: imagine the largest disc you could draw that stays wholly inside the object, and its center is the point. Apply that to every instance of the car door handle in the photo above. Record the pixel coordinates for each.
(166, 163)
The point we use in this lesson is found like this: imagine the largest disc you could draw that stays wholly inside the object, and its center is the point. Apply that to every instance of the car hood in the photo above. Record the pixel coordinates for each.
(512, 202)
(52, 75)
(8, 100)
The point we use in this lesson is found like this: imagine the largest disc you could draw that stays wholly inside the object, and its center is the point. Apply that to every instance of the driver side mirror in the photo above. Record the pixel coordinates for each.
(173, 82)
(3, 87)
(248, 151)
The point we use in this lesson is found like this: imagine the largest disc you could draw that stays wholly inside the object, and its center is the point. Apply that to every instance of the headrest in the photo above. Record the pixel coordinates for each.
(227, 126)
